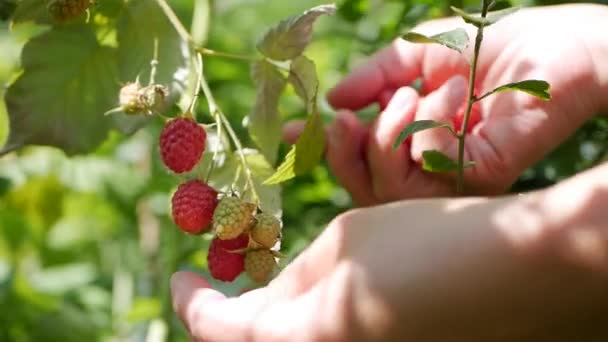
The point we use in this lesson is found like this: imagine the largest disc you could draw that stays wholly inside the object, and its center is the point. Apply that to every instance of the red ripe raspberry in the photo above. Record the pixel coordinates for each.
(223, 263)
(182, 143)
(193, 205)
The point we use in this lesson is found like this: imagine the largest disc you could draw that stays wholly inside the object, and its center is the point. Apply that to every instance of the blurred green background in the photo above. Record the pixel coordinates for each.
(86, 244)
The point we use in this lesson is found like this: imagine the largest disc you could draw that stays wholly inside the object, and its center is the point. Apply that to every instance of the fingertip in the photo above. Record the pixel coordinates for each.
(292, 131)
(189, 291)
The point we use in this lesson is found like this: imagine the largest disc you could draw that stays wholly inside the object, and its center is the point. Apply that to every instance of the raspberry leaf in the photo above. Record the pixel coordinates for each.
(289, 38)
(418, 126)
(303, 77)
(31, 11)
(140, 24)
(60, 97)
(264, 121)
(536, 88)
(3, 123)
(491, 17)
(305, 154)
(456, 39)
(7, 7)
(436, 161)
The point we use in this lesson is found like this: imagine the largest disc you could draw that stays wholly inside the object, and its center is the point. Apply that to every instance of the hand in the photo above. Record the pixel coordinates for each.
(562, 45)
(434, 270)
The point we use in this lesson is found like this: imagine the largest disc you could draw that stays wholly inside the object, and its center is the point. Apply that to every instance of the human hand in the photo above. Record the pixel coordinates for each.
(563, 45)
(432, 270)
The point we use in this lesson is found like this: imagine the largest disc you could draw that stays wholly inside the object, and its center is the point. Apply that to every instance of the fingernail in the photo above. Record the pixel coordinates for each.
(401, 99)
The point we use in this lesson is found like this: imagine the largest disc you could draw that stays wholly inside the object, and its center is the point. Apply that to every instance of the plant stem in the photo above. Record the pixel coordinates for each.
(212, 53)
(214, 110)
(222, 120)
(177, 24)
(471, 99)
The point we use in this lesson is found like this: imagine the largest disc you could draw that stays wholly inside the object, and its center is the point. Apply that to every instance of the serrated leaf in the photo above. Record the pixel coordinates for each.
(305, 154)
(435, 161)
(270, 195)
(418, 126)
(4, 124)
(141, 23)
(491, 17)
(495, 16)
(289, 38)
(354, 10)
(456, 39)
(303, 77)
(7, 7)
(68, 82)
(265, 121)
(31, 11)
(536, 88)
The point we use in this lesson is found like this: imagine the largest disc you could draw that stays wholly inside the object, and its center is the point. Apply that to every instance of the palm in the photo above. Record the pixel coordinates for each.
(516, 130)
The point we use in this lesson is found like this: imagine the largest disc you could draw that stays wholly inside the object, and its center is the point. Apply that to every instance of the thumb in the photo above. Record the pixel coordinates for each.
(441, 105)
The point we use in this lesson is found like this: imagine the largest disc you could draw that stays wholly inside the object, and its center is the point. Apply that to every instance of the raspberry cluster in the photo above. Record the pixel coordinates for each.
(243, 235)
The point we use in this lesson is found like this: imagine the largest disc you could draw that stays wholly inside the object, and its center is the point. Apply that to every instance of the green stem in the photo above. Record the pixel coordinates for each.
(212, 53)
(177, 24)
(214, 110)
(222, 120)
(185, 36)
(471, 99)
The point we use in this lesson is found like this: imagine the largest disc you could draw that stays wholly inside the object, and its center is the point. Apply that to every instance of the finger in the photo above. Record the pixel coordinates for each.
(292, 130)
(439, 106)
(208, 315)
(394, 66)
(386, 164)
(385, 97)
(346, 140)
(324, 312)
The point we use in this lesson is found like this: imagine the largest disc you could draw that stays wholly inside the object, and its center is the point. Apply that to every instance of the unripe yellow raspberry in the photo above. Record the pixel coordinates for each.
(267, 230)
(232, 217)
(259, 265)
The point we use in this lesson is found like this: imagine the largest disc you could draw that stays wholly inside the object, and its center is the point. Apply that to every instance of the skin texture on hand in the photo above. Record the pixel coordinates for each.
(563, 45)
(517, 268)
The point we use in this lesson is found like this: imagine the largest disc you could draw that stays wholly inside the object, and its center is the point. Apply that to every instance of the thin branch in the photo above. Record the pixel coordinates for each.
(471, 99)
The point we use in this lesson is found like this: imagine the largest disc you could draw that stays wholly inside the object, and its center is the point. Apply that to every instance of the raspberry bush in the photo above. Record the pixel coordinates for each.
(99, 235)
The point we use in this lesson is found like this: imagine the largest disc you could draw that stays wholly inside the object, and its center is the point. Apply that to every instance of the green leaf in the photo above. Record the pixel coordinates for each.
(354, 10)
(228, 163)
(536, 88)
(4, 123)
(303, 77)
(68, 82)
(305, 154)
(289, 38)
(456, 39)
(31, 11)
(435, 161)
(139, 25)
(7, 7)
(418, 126)
(144, 309)
(495, 16)
(270, 195)
(491, 17)
(265, 121)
